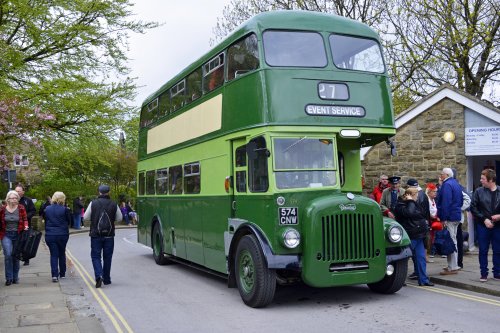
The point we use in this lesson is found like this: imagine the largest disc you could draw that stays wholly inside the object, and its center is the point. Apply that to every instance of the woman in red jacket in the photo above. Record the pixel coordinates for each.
(13, 219)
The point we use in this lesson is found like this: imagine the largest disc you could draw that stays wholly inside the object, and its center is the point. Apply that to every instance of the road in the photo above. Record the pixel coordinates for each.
(145, 297)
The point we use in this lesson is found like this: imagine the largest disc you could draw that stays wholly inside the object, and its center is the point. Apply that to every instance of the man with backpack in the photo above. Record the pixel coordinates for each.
(102, 214)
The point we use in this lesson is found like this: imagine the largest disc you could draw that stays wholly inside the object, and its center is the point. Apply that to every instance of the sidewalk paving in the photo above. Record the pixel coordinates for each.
(37, 305)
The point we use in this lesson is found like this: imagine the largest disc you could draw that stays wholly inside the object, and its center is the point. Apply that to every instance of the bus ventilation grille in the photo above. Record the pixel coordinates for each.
(347, 237)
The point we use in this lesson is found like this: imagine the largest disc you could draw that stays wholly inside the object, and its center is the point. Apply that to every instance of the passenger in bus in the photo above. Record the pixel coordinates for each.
(411, 216)
(379, 188)
(390, 196)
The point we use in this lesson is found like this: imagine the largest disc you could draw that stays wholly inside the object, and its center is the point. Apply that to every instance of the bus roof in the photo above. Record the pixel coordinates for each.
(280, 19)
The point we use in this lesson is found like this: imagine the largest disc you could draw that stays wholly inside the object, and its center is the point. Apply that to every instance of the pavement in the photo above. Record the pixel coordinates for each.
(38, 305)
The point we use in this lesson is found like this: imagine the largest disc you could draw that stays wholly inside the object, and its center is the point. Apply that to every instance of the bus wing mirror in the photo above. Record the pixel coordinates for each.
(392, 145)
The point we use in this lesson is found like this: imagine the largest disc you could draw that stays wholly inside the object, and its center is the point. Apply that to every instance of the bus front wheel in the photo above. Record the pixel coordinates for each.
(256, 283)
(157, 244)
(391, 284)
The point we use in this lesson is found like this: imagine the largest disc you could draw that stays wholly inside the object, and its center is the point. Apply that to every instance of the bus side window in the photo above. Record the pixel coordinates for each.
(257, 165)
(142, 183)
(164, 104)
(213, 73)
(175, 179)
(162, 181)
(178, 95)
(194, 86)
(150, 182)
(242, 57)
(241, 176)
(192, 178)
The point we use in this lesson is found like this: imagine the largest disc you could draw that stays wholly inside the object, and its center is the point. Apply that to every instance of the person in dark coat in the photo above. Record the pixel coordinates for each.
(411, 216)
(28, 205)
(57, 219)
(44, 205)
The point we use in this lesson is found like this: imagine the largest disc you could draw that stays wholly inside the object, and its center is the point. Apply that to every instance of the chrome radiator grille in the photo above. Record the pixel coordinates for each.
(347, 237)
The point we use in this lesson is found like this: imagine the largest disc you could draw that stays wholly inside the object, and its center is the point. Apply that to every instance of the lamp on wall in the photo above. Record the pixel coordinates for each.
(449, 136)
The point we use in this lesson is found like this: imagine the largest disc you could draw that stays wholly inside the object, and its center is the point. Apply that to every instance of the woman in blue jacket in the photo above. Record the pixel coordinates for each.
(57, 221)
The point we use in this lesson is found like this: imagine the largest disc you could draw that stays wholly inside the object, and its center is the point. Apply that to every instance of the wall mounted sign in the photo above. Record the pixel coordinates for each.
(482, 141)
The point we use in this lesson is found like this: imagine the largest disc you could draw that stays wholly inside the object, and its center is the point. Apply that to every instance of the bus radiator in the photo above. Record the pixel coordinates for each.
(347, 237)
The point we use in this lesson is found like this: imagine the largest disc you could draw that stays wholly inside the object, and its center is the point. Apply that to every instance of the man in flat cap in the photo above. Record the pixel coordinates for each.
(390, 196)
(102, 214)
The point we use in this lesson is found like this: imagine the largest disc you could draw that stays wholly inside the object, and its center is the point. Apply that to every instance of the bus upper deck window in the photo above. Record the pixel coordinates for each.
(243, 57)
(294, 49)
(360, 54)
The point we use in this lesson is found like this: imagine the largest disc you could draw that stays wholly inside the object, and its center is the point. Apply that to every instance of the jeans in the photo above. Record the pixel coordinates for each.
(77, 220)
(11, 263)
(418, 251)
(486, 237)
(57, 247)
(104, 246)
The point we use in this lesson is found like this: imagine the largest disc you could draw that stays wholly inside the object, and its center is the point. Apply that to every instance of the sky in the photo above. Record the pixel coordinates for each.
(161, 53)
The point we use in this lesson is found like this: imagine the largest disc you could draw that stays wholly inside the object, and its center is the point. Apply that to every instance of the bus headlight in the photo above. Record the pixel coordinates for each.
(395, 234)
(291, 238)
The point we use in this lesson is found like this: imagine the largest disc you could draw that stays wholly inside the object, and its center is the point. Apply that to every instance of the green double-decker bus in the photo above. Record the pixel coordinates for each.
(249, 159)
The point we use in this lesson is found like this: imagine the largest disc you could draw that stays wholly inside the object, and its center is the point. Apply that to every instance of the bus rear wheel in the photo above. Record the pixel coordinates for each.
(157, 244)
(256, 283)
(391, 284)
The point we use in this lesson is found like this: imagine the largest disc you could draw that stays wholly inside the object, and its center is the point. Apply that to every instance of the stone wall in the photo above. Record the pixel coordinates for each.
(421, 151)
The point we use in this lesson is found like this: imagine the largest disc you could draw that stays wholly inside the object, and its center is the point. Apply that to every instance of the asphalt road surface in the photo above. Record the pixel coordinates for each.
(145, 297)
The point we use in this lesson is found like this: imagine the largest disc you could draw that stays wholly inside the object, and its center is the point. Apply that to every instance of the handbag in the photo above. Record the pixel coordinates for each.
(27, 244)
(443, 244)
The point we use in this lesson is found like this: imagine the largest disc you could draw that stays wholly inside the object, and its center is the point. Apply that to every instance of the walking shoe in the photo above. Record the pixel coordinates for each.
(15, 281)
(496, 277)
(443, 256)
(26, 263)
(483, 279)
(431, 256)
(8, 282)
(448, 272)
(98, 282)
(55, 279)
(413, 276)
(427, 284)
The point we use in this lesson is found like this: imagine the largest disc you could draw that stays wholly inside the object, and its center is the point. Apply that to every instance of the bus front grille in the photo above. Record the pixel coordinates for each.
(347, 237)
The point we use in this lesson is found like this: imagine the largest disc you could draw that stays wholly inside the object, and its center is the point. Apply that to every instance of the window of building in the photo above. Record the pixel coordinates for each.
(192, 178)
(21, 160)
(213, 73)
(150, 182)
(175, 179)
(243, 57)
(162, 181)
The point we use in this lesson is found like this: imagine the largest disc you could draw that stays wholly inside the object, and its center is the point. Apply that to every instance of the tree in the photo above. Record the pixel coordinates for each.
(445, 41)
(427, 42)
(63, 64)
(369, 12)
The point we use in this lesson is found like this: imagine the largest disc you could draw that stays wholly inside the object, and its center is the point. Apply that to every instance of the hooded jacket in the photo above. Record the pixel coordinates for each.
(410, 215)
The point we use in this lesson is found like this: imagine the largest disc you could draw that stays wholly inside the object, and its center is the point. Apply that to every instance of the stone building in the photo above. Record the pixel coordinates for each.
(448, 128)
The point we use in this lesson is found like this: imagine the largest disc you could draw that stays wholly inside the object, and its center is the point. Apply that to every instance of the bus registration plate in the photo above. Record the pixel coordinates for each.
(288, 215)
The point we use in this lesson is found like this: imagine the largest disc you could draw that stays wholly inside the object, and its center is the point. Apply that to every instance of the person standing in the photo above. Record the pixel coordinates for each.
(379, 188)
(44, 205)
(411, 216)
(102, 246)
(449, 205)
(390, 196)
(485, 208)
(28, 205)
(77, 212)
(13, 220)
(57, 219)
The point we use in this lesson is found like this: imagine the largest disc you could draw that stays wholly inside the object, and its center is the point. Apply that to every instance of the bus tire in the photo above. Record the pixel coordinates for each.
(157, 245)
(256, 283)
(391, 284)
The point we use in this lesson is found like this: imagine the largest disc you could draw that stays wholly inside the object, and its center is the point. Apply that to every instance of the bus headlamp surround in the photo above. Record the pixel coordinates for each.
(291, 238)
(395, 234)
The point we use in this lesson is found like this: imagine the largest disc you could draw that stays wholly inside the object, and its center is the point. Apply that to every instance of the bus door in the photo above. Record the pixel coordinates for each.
(239, 173)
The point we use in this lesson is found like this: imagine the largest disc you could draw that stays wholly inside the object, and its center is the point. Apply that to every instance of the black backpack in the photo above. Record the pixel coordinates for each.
(104, 225)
